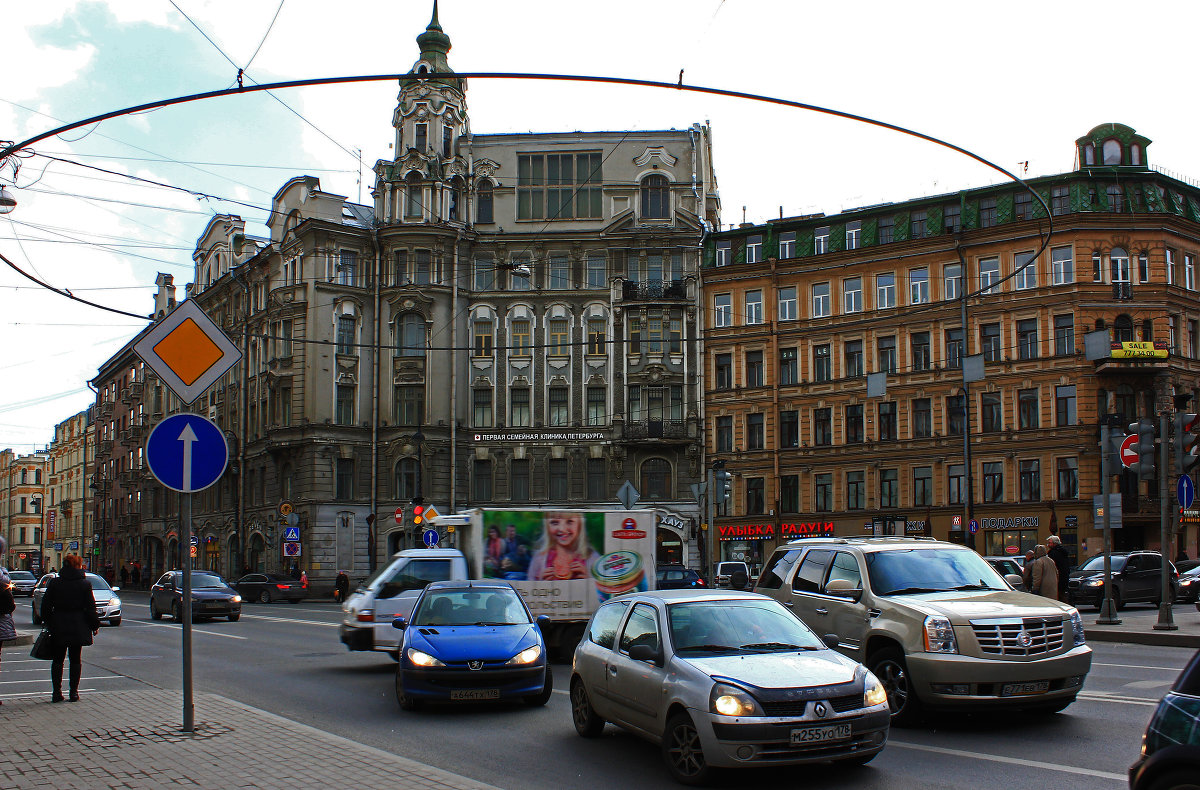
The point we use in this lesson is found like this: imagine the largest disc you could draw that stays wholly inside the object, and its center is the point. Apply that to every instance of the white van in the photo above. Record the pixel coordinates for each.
(392, 592)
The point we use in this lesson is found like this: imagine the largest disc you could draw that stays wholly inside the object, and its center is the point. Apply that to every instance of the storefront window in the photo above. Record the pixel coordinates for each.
(1012, 543)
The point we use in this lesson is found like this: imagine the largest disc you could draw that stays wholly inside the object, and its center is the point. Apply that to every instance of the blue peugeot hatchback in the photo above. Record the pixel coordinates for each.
(471, 641)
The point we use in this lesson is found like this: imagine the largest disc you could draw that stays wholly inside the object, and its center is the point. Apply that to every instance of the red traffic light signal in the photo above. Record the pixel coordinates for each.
(418, 512)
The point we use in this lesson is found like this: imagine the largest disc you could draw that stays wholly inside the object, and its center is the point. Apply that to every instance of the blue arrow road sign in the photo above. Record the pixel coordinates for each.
(291, 534)
(187, 453)
(431, 537)
(1185, 492)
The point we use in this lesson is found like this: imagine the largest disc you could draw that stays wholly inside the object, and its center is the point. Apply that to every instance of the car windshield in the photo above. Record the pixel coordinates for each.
(98, 583)
(1192, 572)
(205, 580)
(22, 575)
(737, 626)
(471, 606)
(1097, 563)
(918, 570)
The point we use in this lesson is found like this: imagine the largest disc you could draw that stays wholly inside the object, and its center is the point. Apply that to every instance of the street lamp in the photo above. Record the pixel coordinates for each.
(7, 201)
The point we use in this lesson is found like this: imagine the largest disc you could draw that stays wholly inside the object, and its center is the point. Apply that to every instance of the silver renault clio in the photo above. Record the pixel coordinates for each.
(721, 679)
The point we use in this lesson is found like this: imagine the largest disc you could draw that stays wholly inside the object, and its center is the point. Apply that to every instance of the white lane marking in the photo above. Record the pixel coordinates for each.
(289, 620)
(1022, 761)
(1137, 666)
(1147, 684)
(194, 630)
(1096, 696)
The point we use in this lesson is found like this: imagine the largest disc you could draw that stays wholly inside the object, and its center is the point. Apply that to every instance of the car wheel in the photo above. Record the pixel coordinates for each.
(888, 665)
(547, 689)
(265, 597)
(587, 723)
(1118, 602)
(114, 621)
(683, 753)
(406, 702)
(154, 613)
(1182, 779)
(233, 618)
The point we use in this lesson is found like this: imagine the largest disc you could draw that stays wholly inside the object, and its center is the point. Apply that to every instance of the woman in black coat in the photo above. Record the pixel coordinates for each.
(69, 609)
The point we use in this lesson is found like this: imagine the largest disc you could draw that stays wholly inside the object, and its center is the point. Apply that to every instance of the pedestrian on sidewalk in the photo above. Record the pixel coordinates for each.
(8, 629)
(69, 609)
(1027, 571)
(341, 587)
(136, 576)
(1044, 575)
(1062, 563)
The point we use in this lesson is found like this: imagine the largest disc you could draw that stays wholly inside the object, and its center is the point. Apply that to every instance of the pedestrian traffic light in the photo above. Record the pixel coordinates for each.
(1144, 430)
(1187, 452)
(418, 511)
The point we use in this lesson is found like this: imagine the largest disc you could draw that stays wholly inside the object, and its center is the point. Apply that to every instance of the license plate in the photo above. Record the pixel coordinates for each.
(213, 605)
(1021, 689)
(475, 694)
(834, 732)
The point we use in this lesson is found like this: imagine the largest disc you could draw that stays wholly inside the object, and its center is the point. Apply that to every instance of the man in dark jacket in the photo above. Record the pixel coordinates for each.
(69, 609)
(1062, 560)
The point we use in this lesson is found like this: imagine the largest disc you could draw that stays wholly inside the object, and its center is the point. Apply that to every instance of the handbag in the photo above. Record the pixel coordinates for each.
(42, 648)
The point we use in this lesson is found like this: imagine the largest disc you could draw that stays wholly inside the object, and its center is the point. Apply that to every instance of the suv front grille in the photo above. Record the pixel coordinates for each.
(1030, 636)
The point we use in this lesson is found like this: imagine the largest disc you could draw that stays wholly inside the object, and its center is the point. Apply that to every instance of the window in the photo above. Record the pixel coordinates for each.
(1030, 481)
(852, 295)
(1062, 263)
(1172, 275)
(1064, 335)
(922, 486)
(822, 363)
(889, 488)
(559, 186)
(1027, 409)
(787, 244)
(1189, 271)
(556, 479)
(956, 414)
(823, 493)
(754, 307)
(522, 338)
(987, 212)
(853, 358)
(886, 227)
(854, 424)
(1023, 206)
(485, 274)
(1097, 267)
(597, 271)
(557, 331)
(956, 484)
(1068, 478)
(989, 274)
(754, 245)
(1119, 261)
(852, 231)
(789, 493)
(1060, 200)
(887, 422)
(856, 491)
(1026, 268)
(754, 431)
(723, 365)
(347, 268)
(993, 481)
(1027, 339)
(724, 434)
(885, 291)
(656, 479)
(412, 336)
(597, 479)
(1116, 203)
(420, 136)
(558, 411)
(1143, 267)
(1064, 405)
(675, 333)
(405, 483)
(787, 304)
(345, 334)
(519, 479)
(754, 368)
(481, 402)
(952, 281)
(344, 406)
(822, 427)
(483, 202)
(558, 273)
(990, 412)
(482, 346)
(921, 358)
(597, 403)
(412, 196)
(918, 286)
(954, 348)
(917, 225)
(788, 366)
(820, 300)
(520, 274)
(344, 479)
(789, 429)
(410, 404)
(656, 197)
(886, 353)
(821, 240)
(952, 218)
(722, 310)
(519, 412)
(989, 339)
(723, 253)
(922, 411)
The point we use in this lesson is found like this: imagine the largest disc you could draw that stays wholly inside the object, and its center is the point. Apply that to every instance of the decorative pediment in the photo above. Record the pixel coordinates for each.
(486, 168)
(655, 153)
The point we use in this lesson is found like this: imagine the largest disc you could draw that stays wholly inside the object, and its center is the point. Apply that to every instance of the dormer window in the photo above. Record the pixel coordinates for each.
(1135, 154)
(1112, 152)
(1089, 154)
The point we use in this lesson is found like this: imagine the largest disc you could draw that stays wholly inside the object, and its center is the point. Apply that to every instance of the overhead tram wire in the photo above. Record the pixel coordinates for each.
(16, 148)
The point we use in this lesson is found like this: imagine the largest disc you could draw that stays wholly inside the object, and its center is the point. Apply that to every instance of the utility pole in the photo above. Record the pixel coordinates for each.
(1165, 617)
(1107, 610)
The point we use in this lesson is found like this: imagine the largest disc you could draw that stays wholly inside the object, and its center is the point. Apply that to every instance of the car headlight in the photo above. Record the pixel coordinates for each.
(114, 601)
(423, 659)
(526, 656)
(1096, 582)
(939, 636)
(236, 599)
(1077, 627)
(730, 700)
(873, 692)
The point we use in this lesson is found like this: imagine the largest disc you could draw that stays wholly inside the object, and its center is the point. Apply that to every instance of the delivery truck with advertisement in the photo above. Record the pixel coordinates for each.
(564, 563)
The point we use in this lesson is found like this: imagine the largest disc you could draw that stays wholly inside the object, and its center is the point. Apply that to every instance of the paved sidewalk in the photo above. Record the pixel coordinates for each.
(132, 740)
(1137, 626)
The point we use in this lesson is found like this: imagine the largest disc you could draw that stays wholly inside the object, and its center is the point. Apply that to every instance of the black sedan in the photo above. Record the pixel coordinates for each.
(677, 577)
(270, 587)
(1189, 586)
(211, 597)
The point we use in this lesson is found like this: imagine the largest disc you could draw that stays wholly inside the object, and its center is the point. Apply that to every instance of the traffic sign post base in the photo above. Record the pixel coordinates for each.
(1108, 613)
(1166, 621)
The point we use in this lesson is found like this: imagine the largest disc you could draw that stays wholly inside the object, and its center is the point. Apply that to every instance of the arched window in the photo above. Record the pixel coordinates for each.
(656, 197)
(412, 201)
(656, 479)
(1123, 329)
(1120, 265)
(407, 471)
(1112, 152)
(483, 209)
(411, 335)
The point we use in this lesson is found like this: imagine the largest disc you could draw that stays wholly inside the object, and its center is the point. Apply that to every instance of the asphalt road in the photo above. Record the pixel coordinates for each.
(287, 659)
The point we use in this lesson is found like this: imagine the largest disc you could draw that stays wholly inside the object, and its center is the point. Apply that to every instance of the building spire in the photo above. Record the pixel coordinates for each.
(434, 43)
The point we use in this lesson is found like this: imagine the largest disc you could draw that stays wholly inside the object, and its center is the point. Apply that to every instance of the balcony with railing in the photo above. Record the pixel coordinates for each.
(653, 290)
(105, 447)
(668, 430)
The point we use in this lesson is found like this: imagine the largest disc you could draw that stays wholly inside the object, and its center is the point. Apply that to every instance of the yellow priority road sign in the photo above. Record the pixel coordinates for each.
(188, 351)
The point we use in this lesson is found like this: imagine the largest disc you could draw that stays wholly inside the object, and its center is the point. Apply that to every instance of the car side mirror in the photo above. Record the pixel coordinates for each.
(541, 620)
(830, 640)
(116, 589)
(645, 653)
(1014, 581)
(843, 588)
(400, 624)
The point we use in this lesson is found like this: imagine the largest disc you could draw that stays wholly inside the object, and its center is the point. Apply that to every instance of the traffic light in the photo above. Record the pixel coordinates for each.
(1144, 430)
(1186, 449)
(418, 511)
(724, 485)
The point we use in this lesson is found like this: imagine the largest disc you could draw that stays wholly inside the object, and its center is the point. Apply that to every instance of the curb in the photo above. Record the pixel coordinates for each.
(1154, 638)
(23, 638)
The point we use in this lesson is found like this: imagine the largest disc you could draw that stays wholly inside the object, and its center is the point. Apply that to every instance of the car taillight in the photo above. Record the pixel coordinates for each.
(699, 582)
(282, 586)
(366, 616)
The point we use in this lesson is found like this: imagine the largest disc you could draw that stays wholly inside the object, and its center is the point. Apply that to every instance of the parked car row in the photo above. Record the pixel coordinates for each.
(108, 603)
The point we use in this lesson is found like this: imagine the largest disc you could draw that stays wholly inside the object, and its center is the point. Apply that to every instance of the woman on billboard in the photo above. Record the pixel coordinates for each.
(563, 551)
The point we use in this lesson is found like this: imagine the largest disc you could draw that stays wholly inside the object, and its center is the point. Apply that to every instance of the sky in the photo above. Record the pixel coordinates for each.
(1014, 82)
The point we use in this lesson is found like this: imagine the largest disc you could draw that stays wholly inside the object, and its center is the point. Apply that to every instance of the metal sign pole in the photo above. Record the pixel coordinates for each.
(1166, 620)
(185, 517)
(1107, 611)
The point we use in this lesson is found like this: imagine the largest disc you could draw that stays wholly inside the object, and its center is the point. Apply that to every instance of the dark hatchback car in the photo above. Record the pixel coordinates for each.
(270, 587)
(1135, 578)
(677, 577)
(1170, 757)
(211, 597)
